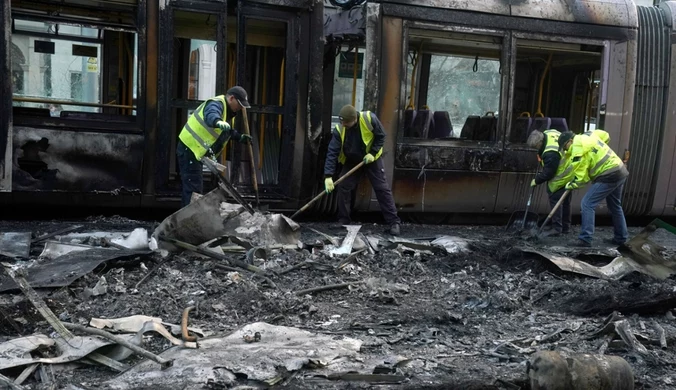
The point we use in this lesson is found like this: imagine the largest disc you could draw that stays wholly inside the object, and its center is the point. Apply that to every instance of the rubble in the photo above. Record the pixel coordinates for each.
(454, 307)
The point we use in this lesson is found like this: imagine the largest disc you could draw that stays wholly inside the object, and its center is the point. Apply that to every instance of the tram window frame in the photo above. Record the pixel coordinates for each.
(452, 41)
(95, 115)
(546, 43)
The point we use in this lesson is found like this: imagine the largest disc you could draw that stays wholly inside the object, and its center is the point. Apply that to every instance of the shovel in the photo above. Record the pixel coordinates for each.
(316, 198)
(521, 219)
(556, 207)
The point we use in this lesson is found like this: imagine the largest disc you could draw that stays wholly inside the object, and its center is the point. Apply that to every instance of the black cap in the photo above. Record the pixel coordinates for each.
(565, 137)
(240, 94)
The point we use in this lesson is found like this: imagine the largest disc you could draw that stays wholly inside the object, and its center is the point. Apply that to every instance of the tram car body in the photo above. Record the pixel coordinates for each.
(94, 94)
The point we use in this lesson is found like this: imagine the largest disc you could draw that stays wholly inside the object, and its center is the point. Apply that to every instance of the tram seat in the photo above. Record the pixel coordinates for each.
(519, 133)
(470, 128)
(540, 124)
(488, 126)
(422, 123)
(30, 111)
(442, 126)
(559, 124)
(409, 118)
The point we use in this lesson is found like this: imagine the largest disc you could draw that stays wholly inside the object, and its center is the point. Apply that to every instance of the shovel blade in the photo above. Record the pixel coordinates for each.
(516, 221)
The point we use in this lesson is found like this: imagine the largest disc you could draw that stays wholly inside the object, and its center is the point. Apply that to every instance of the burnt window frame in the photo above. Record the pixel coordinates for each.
(102, 122)
(517, 36)
(505, 83)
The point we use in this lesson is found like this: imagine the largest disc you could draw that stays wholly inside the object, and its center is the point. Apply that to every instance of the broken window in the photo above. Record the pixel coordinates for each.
(453, 86)
(60, 70)
(556, 87)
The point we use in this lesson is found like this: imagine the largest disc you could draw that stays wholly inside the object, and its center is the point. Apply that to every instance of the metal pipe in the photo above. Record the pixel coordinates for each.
(281, 98)
(68, 103)
(264, 97)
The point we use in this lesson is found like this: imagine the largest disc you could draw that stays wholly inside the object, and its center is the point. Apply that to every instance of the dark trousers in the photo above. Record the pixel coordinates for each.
(376, 174)
(562, 217)
(191, 173)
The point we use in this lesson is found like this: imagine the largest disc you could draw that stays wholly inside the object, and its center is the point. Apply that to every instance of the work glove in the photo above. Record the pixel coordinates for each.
(369, 159)
(572, 186)
(328, 185)
(223, 125)
(245, 139)
(533, 183)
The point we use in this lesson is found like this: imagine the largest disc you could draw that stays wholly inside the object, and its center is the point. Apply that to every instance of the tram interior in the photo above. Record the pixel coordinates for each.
(194, 80)
(454, 86)
(556, 87)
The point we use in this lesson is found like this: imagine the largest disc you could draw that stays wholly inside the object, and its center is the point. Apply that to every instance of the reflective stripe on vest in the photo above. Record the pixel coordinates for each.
(552, 141)
(595, 170)
(196, 134)
(366, 129)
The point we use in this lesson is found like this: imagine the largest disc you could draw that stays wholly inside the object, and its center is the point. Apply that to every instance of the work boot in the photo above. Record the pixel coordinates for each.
(612, 241)
(394, 229)
(580, 243)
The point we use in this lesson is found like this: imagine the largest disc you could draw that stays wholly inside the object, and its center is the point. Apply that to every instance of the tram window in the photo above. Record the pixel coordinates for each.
(556, 87)
(195, 58)
(344, 85)
(59, 69)
(453, 86)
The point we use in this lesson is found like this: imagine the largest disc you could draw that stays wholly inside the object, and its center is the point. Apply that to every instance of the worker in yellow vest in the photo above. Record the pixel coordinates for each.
(556, 172)
(205, 134)
(359, 137)
(594, 161)
(602, 134)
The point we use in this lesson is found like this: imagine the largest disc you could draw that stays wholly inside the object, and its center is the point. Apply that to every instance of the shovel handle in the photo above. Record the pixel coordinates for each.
(556, 207)
(316, 198)
(254, 177)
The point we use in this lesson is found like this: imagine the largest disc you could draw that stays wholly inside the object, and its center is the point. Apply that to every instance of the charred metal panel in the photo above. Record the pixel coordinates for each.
(621, 13)
(58, 160)
(504, 22)
(316, 73)
(303, 4)
(448, 158)
(5, 99)
(519, 160)
(513, 194)
(665, 192)
(345, 24)
(445, 191)
(148, 80)
(372, 56)
(650, 101)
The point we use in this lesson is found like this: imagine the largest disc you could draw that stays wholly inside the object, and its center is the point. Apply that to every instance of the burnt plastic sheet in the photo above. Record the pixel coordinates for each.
(15, 244)
(65, 269)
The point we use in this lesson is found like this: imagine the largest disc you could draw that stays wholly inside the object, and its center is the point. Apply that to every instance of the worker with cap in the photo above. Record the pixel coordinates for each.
(593, 160)
(359, 137)
(206, 133)
(556, 172)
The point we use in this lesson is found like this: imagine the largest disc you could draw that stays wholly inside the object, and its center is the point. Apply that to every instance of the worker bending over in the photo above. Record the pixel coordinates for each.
(593, 160)
(359, 137)
(556, 172)
(205, 134)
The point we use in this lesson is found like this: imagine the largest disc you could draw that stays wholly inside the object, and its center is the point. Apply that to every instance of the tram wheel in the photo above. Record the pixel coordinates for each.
(346, 4)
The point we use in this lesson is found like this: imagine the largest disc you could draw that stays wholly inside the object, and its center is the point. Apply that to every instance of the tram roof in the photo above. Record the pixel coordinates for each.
(619, 13)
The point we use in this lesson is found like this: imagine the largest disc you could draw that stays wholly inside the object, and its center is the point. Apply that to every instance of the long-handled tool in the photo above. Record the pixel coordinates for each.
(254, 177)
(225, 184)
(529, 218)
(556, 207)
(340, 180)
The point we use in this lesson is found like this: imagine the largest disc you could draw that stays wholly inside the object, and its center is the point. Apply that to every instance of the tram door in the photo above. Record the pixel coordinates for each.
(264, 61)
